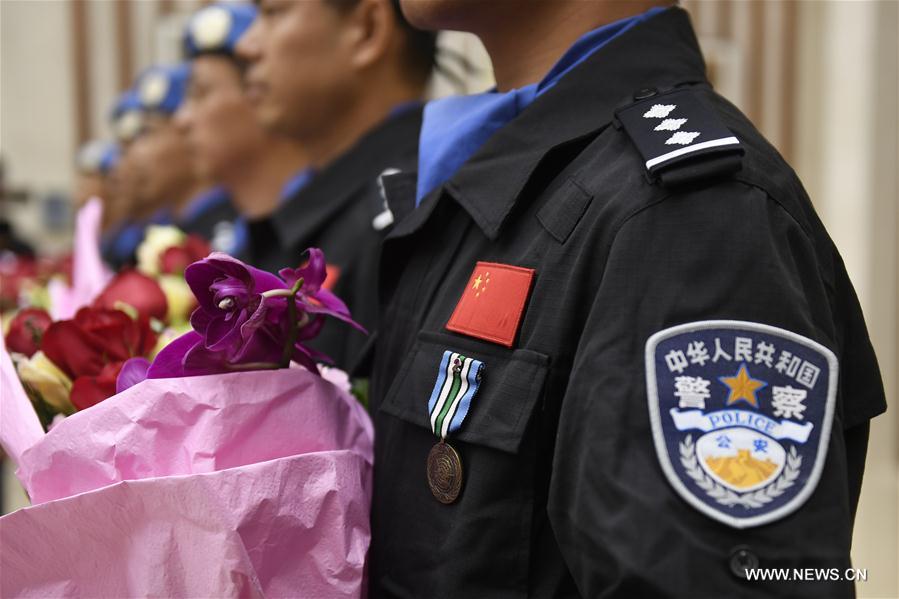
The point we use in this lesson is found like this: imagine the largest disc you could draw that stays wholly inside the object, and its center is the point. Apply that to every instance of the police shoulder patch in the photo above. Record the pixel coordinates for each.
(741, 414)
(679, 136)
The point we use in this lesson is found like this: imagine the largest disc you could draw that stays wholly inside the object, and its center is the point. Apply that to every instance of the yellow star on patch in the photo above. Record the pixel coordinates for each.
(742, 387)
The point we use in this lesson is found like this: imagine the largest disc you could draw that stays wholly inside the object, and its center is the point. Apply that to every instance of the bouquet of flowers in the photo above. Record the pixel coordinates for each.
(229, 465)
(164, 255)
(71, 364)
(69, 357)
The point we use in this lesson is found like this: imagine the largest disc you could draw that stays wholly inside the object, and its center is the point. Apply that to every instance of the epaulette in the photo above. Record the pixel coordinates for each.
(681, 139)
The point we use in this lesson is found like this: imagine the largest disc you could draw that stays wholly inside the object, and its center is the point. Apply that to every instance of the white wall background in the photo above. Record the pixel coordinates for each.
(848, 132)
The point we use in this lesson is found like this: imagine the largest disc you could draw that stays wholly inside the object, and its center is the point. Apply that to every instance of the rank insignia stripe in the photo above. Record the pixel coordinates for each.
(492, 303)
(741, 415)
(675, 127)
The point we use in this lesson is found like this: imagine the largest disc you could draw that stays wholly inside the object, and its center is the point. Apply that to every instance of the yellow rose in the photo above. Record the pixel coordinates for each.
(38, 296)
(167, 336)
(179, 296)
(44, 377)
(157, 239)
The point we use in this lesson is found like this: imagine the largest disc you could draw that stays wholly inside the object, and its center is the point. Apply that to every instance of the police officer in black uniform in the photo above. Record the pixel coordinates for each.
(344, 78)
(623, 358)
(123, 230)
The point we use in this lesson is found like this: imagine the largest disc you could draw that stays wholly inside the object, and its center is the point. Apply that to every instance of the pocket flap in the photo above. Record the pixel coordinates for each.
(511, 383)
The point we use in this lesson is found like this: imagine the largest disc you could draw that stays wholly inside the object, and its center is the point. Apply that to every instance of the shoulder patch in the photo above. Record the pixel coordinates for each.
(680, 138)
(741, 414)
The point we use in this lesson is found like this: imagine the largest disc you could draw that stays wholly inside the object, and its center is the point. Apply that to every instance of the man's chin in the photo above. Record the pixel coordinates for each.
(433, 15)
(270, 118)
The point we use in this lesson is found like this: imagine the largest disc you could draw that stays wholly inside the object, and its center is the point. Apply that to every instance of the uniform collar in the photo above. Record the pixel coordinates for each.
(333, 187)
(204, 201)
(163, 216)
(661, 52)
(455, 127)
(296, 184)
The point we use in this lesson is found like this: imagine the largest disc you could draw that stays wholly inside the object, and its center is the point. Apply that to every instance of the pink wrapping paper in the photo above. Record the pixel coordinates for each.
(273, 529)
(164, 427)
(19, 425)
(89, 274)
(253, 484)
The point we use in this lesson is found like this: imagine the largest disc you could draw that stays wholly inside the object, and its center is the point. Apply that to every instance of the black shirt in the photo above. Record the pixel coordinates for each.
(564, 494)
(214, 220)
(342, 211)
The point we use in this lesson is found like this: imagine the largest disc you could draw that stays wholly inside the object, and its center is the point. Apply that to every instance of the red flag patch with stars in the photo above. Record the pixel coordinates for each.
(492, 304)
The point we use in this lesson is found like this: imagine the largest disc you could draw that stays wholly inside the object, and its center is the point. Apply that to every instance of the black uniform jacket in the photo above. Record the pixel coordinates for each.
(341, 211)
(563, 493)
(215, 223)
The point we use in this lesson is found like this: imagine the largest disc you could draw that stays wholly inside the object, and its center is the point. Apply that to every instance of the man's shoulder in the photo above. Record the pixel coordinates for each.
(619, 169)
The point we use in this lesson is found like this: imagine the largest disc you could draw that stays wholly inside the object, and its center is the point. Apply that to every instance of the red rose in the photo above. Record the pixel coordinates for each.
(91, 390)
(14, 274)
(137, 290)
(60, 265)
(176, 259)
(26, 330)
(94, 338)
(92, 347)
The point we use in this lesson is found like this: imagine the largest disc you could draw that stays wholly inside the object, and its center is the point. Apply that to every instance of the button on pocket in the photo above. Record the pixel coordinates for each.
(742, 558)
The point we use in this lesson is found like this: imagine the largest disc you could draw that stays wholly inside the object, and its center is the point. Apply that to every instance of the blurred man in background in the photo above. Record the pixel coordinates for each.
(167, 179)
(93, 165)
(343, 78)
(122, 230)
(9, 240)
(229, 146)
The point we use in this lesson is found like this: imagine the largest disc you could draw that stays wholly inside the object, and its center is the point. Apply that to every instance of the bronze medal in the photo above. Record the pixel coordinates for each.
(444, 472)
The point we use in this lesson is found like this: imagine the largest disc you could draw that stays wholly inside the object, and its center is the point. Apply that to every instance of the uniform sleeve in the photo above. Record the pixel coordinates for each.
(728, 252)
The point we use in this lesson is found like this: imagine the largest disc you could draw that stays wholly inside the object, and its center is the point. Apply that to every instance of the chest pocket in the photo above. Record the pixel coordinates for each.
(511, 384)
(479, 546)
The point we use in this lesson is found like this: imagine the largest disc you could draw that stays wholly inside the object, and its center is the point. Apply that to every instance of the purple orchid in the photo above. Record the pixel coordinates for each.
(133, 371)
(315, 302)
(248, 319)
(238, 325)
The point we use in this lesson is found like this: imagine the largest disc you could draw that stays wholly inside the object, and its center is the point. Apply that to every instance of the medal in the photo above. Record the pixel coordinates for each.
(444, 472)
(457, 383)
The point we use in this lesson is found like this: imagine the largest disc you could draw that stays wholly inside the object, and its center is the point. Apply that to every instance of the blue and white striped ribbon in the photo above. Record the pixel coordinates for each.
(457, 382)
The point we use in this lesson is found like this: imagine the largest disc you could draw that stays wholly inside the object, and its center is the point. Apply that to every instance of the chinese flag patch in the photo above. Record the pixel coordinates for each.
(492, 304)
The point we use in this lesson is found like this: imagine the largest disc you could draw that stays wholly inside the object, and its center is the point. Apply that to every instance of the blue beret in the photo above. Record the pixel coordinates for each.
(162, 88)
(216, 29)
(97, 156)
(90, 156)
(126, 101)
(126, 117)
(111, 154)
